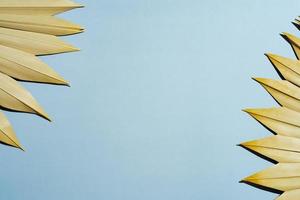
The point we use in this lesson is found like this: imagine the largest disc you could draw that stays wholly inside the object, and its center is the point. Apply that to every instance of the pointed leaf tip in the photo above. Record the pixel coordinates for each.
(271, 55)
(248, 110)
(259, 80)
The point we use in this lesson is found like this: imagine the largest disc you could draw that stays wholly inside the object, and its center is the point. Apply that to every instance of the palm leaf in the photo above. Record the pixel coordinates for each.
(284, 148)
(27, 67)
(277, 148)
(296, 22)
(41, 24)
(282, 121)
(284, 92)
(34, 43)
(36, 7)
(14, 97)
(7, 134)
(28, 29)
(290, 195)
(294, 42)
(282, 177)
(287, 68)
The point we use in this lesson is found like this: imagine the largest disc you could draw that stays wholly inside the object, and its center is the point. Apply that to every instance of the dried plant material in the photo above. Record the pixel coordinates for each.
(287, 68)
(28, 28)
(7, 134)
(36, 7)
(277, 148)
(14, 97)
(294, 42)
(27, 67)
(284, 122)
(282, 177)
(34, 43)
(41, 24)
(290, 195)
(284, 92)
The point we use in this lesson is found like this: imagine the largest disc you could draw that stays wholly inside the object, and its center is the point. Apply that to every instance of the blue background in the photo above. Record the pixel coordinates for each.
(154, 111)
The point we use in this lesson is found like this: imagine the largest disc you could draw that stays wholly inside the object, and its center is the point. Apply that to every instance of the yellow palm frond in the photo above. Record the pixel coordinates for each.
(36, 7)
(277, 148)
(7, 134)
(287, 68)
(293, 41)
(14, 97)
(290, 195)
(284, 92)
(284, 122)
(28, 29)
(27, 67)
(40, 24)
(34, 43)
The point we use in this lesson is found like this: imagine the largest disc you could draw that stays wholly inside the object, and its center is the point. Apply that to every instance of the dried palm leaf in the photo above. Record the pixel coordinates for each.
(277, 148)
(34, 43)
(284, 121)
(284, 92)
(294, 42)
(41, 24)
(27, 67)
(290, 195)
(36, 7)
(7, 134)
(287, 68)
(27, 29)
(281, 177)
(296, 22)
(14, 97)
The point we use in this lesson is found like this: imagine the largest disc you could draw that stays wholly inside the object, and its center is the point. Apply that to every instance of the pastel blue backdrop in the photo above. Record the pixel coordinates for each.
(154, 111)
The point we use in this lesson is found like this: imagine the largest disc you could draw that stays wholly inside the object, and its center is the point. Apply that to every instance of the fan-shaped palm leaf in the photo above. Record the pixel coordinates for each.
(283, 148)
(27, 29)
(41, 24)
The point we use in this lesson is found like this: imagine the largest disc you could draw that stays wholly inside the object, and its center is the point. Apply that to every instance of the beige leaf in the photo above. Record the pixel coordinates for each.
(28, 28)
(284, 92)
(282, 177)
(282, 121)
(278, 148)
(7, 134)
(41, 24)
(14, 97)
(290, 195)
(294, 42)
(287, 68)
(27, 67)
(36, 7)
(296, 22)
(34, 43)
